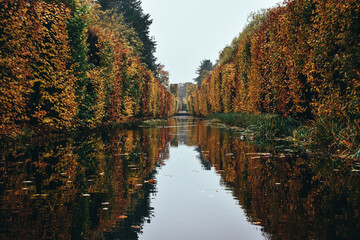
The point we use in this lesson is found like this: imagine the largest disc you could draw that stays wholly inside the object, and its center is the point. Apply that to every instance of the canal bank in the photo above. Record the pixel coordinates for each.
(339, 139)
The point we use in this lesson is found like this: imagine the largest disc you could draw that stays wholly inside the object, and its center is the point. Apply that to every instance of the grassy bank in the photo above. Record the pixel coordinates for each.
(338, 137)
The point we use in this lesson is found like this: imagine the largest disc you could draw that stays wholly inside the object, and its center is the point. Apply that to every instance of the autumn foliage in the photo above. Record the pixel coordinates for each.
(107, 167)
(301, 61)
(270, 186)
(61, 68)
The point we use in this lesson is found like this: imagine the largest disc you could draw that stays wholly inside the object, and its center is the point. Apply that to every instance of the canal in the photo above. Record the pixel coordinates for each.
(187, 179)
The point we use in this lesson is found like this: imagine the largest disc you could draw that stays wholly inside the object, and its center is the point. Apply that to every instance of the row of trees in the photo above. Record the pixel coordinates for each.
(67, 63)
(299, 59)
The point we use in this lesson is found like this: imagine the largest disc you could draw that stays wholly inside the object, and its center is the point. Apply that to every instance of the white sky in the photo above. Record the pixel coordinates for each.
(188, 31)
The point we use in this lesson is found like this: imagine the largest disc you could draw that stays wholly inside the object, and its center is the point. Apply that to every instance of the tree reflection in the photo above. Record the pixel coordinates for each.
(95, 186)
(80, 187)
(291, 197)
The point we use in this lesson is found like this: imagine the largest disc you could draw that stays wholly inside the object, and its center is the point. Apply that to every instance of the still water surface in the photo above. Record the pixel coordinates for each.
(186, 180)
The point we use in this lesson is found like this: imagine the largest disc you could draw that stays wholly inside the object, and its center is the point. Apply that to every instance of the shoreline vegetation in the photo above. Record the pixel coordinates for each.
(72, 64)
(294, 71)
(338, 139)
(29, 136)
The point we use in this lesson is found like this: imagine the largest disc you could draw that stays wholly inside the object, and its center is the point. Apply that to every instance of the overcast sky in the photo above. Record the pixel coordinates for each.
(188, 31)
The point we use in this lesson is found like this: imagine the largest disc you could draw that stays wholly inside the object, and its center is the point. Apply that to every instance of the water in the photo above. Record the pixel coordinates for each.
(192, 204)
(186, 180)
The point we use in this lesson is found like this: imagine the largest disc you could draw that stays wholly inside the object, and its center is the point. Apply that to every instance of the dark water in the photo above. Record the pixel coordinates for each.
(187, 180)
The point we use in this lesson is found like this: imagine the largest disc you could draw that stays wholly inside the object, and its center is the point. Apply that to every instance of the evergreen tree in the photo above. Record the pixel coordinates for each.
(134, 15)
(204, 70)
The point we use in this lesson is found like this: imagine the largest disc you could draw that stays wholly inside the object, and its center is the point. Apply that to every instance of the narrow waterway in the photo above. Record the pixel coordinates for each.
(191, 203)
(184, 180)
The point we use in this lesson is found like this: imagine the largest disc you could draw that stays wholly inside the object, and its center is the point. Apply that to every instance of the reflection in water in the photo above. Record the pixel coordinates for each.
(97, 186)
(80, 187)
(291, 197)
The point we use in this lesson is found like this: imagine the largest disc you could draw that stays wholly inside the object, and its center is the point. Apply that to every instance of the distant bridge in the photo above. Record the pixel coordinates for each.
(183, 113)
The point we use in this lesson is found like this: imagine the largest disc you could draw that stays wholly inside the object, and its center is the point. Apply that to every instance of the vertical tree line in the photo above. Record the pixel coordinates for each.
(300, 59)
(69, 63)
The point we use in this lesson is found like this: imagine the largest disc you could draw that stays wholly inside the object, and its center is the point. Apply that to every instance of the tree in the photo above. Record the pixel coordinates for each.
(190, 89)
(123, 31)
(77, 27)
(163, 76)
(255, 19)
(134, 15)
(205, 69)
(174, 89)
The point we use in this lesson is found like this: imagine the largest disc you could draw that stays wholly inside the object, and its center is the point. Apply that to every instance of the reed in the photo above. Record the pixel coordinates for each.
(333, 135)
(262, 125)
